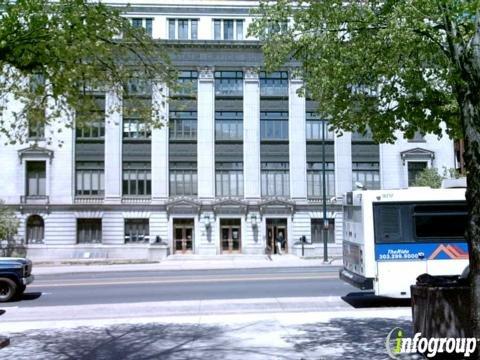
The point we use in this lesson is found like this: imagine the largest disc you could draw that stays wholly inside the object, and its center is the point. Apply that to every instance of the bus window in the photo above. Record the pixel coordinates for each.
(440, 221)
(388, 224)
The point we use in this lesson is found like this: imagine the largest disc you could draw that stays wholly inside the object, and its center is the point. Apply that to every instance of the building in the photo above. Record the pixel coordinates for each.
(240, 162)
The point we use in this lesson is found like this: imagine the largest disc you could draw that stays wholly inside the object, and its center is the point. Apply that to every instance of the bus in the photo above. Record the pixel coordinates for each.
(393, 236)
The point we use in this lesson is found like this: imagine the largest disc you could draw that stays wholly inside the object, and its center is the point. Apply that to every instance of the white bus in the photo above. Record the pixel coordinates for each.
(393, 236)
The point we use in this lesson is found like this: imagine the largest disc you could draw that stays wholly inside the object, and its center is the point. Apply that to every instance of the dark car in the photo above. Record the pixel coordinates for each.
(15, 275)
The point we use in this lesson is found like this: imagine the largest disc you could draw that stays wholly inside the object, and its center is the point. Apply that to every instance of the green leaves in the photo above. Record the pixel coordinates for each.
(75, 46)
(398, 52)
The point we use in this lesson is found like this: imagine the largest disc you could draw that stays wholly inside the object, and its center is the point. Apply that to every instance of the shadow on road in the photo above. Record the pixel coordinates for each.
(2, 312)
(369, 300)
(26, 296)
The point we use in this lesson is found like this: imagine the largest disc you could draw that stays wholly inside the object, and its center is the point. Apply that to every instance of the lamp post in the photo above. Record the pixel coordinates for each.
(324, 198)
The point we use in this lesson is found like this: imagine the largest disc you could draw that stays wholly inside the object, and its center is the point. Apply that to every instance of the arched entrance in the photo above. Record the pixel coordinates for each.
(35, 229)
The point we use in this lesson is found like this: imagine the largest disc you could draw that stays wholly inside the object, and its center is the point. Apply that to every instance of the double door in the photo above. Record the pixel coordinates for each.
(231, 239)
(275, 227)
(183, 235)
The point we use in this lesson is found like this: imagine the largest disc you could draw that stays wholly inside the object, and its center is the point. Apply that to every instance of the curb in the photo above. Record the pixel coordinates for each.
(4, 341)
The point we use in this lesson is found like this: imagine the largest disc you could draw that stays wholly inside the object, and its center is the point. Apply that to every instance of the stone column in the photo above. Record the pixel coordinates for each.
(251, 134)
(297, 140)
(160, 179)
(343, 163)
(206, 133)
(113, 145)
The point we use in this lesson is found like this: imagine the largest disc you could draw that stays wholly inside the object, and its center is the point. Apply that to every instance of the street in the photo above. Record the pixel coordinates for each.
(268, 313)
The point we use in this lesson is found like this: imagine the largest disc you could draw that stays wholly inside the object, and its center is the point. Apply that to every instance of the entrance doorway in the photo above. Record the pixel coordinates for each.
(274, 228)
(231, 235)
(183, 235)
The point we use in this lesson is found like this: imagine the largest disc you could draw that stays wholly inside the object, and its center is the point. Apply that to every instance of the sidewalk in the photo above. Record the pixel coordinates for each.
(181, 262)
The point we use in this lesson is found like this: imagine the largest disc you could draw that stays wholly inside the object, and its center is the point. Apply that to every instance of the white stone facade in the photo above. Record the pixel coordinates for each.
(250, 217)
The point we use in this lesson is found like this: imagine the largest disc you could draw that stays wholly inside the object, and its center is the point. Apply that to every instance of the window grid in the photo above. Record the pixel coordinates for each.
(314, 128)
(92, 130)
(315, 180)
(183, 125)
(228, 29)
(229, 179)
(187, 83)
(273, 84)
(366, 173)
(137, 179)
(228, 83)
(182, 29)
(36, 178)
(229, 125)
(137, 230)
(90, 178)
(274, 125)
(145, 23)
(275, 179)
(89, 231)
(134, 128)
(183, 179)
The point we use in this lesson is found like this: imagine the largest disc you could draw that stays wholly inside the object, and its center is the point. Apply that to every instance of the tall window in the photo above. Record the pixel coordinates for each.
(183, 178)
(228, 125)
(137, 178)
(36, 178)
(228, 83)
(145, 23)
(182, 29)
(137, 106)
(274, 84)
(187, 83)
(89, 231)
(366, 173)
(90, 178)
(228, 29)
(137, 230)
(317, 231)
(229, 179)
(274, 125)
(36, 129)
(314, 128)
(275, 179)
(36, 112)
(183, 125)
(315, 179)
(414, 169)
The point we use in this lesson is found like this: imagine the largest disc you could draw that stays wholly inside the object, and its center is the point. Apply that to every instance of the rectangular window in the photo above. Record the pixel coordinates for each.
(183, 178)
(136, 129)
(314, 128)
(186, 84)
(89, 231)
(36, 128)
(275, 179)
(315, 180)
(182, 29)
(317, 231)
(137, 107)
(183, 125)
(94, 129)
(137, 179)
(229, 83)
(228, 29)
(228, 125)
(389, 223)
(274, 125)
(90, 178)
(36, 178)
(414, 169)
(145, 23)
(367, 174)
(137, 230)
(440, 221)
(229, 179)
(274, 84)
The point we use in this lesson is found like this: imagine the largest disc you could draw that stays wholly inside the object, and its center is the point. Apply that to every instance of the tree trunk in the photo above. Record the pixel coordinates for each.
(470, 112)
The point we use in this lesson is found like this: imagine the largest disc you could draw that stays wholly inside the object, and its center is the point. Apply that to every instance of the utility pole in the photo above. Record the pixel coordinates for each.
(324, 197)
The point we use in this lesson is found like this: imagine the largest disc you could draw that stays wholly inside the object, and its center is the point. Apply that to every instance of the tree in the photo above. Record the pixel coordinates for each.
(390, 66)
(8, 227)
(428, 177)
(53, 54)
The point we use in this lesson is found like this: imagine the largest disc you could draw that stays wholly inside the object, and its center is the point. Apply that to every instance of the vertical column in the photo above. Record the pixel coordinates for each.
(343, 163)
(251, 134)
(113, 145)
(160, 178)
(297, 140)
(206, 133)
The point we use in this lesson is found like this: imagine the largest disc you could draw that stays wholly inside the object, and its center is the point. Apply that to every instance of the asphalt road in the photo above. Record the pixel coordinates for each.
(146, 286)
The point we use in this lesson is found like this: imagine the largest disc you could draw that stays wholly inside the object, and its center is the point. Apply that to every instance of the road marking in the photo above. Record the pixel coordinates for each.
(176, 280)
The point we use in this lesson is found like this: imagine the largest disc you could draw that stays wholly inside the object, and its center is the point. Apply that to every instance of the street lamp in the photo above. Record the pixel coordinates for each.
(324, 197)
